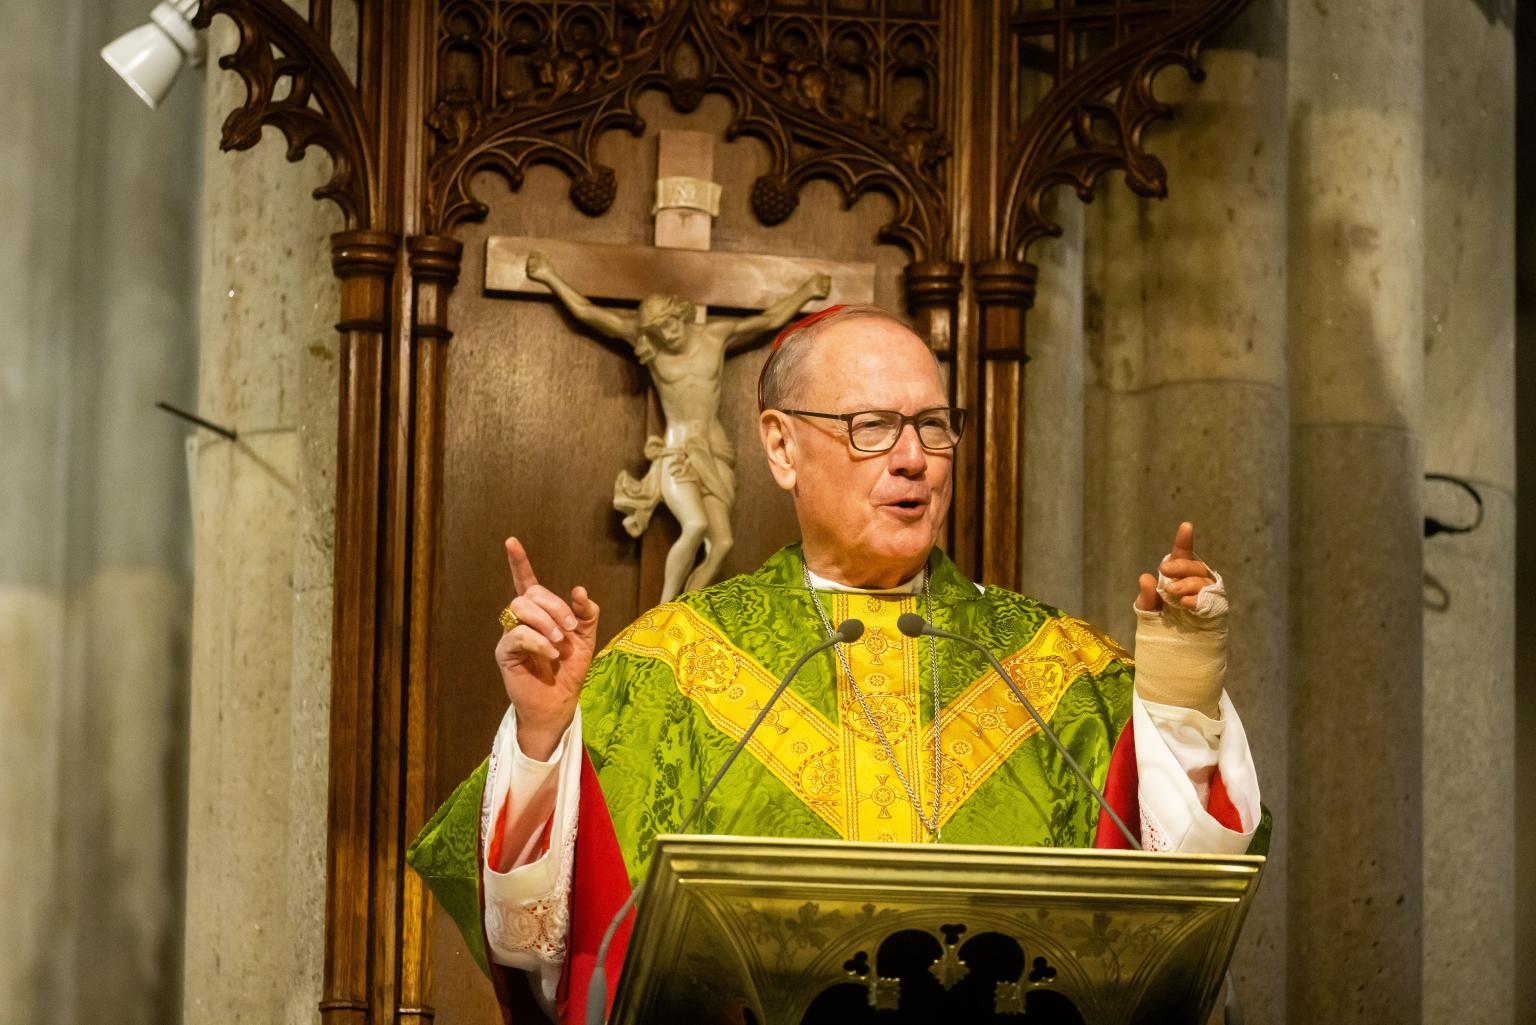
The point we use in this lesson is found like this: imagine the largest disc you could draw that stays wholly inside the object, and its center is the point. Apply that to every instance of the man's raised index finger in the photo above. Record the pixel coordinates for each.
(522, 570)
(1184, 541)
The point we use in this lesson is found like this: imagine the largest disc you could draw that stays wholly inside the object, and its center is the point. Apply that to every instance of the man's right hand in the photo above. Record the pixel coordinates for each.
(544, 659)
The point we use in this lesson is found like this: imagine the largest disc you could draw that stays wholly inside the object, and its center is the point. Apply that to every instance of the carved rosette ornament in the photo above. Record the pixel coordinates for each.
(773, 199)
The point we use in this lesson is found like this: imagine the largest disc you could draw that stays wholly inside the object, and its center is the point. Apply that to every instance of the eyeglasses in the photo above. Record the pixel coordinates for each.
(876, 430)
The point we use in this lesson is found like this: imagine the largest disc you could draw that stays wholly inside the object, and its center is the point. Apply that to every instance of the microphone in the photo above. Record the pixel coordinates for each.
(914, 625)
(848, 631)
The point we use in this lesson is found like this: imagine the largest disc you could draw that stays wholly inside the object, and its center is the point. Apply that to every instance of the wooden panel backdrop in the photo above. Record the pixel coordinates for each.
(918, 135)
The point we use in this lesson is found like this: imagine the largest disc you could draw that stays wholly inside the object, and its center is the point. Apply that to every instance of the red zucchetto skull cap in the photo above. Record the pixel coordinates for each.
(778, 340)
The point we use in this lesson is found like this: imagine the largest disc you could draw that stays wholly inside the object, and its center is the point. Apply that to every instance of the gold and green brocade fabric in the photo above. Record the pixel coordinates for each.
(670, 696)
(446, 854)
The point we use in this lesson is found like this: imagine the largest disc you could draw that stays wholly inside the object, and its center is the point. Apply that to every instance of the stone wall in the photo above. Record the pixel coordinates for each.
(263, 569)
(1356, 315)
(1321, 311)
(1469, 411)
(98, 197)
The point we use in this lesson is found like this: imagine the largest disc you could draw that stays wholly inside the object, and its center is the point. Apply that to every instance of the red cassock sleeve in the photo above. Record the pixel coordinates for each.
(599, 884)
(1122, 792)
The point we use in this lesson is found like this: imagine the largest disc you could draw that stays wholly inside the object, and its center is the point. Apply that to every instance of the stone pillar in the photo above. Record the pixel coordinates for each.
(128, 559)
(98, 200)
(35, 280)
(1469, 429)
(1051, 557)
(263, 557)
(1357, 373)
(1187, 404)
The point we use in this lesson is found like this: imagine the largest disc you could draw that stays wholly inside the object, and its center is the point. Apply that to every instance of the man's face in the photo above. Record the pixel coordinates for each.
(867, 518)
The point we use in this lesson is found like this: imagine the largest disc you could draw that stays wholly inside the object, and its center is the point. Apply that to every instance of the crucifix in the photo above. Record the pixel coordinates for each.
(692, 463)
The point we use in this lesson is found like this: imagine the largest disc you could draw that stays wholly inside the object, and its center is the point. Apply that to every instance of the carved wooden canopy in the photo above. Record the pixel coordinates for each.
(964, 114)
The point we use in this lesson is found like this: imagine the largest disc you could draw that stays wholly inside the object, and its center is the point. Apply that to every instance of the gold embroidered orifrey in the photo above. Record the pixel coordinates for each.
(986, 723)
(885, 667)
(840, 771)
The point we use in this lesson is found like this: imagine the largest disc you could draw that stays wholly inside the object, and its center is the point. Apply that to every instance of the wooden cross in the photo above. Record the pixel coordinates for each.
(681, 262)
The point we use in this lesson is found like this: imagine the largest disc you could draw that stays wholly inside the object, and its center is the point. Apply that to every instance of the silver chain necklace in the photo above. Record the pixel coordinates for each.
(932, 825)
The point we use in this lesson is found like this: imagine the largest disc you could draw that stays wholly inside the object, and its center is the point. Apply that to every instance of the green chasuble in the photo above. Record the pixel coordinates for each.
(669, 697)
(666, 701)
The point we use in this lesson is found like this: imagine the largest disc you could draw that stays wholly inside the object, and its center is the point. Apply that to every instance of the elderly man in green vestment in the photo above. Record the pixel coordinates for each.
(894, 740)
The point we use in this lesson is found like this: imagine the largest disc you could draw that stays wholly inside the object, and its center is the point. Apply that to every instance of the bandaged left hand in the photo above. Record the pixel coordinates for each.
(1181, 631)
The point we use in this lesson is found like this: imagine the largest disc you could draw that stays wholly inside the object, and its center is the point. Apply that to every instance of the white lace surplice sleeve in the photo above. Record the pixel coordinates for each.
(1178, 751)
(527, 896)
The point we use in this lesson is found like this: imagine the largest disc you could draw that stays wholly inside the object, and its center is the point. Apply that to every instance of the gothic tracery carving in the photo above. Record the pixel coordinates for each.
(831, 95)
(295, 83)
(1100, 61)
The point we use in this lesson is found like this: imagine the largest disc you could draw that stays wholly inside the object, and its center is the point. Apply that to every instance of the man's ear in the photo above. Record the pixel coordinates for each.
(778, 446)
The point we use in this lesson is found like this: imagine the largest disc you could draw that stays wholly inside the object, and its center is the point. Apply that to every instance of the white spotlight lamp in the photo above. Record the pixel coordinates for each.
(151, 56)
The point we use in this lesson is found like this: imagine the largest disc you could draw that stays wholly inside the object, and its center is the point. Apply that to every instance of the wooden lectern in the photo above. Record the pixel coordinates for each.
(753, 931)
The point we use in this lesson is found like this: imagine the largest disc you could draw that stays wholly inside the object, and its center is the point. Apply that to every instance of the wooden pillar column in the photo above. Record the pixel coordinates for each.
(434, 264)
(364, 261)
(933, 296)
(1005, 290)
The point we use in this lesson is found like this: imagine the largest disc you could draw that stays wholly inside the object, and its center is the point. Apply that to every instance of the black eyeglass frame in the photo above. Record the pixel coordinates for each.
(957, 418)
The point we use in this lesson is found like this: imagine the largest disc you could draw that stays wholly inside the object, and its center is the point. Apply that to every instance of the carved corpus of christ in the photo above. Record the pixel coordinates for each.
(692, 465)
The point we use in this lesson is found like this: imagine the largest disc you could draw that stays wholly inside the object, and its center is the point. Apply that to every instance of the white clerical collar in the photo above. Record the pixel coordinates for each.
(821, 583)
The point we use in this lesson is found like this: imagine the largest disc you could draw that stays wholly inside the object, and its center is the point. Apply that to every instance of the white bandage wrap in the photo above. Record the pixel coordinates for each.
(1210, 603)
(1181, 654)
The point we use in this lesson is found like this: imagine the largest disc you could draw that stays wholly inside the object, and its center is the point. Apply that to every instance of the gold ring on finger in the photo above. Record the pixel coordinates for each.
(508, 619)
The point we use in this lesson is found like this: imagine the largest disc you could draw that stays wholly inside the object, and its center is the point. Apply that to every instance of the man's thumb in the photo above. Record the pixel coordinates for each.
(585, 608)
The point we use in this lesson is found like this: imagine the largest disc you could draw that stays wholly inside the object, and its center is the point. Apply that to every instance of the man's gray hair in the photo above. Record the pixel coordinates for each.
(782, 378)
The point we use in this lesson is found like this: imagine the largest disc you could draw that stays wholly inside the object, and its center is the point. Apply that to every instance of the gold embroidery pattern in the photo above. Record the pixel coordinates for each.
(812, 757)
(796, 742)
(885, 668)
(986, 723)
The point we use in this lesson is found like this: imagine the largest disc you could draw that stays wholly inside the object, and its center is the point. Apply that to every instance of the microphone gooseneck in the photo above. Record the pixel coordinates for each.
(914, 626)
(848, 631)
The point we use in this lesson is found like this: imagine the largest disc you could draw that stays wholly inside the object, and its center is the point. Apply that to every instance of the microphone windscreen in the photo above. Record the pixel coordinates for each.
(912, 624)
(850, 630)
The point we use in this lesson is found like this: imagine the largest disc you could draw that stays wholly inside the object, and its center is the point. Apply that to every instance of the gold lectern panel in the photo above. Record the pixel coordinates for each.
(735, 929)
